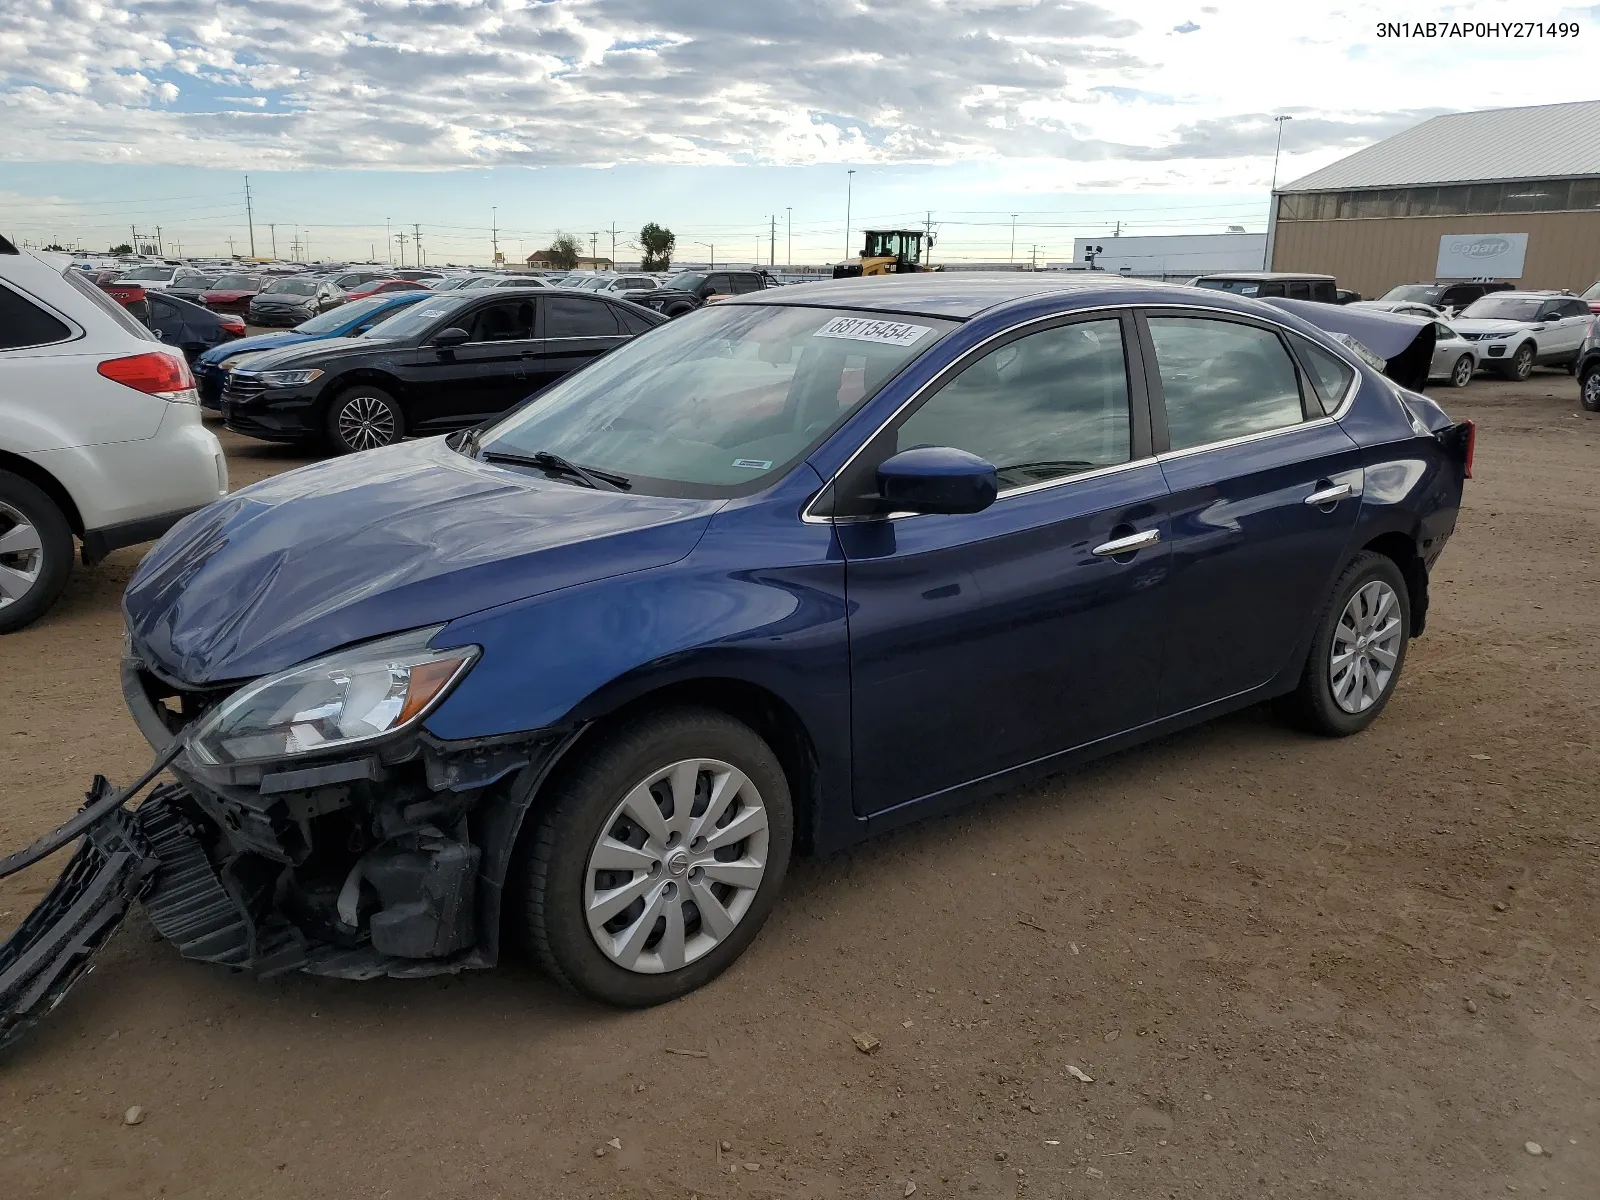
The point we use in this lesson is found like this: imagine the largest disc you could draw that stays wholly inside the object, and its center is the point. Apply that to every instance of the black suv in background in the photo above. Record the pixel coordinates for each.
(1289, 285)
(689, 290)
(1449, 297)
(1588, 369)
(446, 362)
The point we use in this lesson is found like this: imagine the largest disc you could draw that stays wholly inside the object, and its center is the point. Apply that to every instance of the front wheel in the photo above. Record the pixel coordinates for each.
(1358, 650)
(657, 859)
(1521, 364)
(1589, 388)
(35, 552)
(1461, 373)
(363, 418)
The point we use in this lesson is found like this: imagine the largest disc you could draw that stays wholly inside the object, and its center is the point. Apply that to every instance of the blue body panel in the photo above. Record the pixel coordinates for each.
(925, 658)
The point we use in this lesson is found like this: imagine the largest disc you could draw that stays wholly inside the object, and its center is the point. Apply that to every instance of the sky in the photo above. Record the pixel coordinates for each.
(1011, 126)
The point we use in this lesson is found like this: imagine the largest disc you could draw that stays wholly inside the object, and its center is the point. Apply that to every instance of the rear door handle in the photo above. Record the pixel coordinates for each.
(1128, 545)
(1329, 495)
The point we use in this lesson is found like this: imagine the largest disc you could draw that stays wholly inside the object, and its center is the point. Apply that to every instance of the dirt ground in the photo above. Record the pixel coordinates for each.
(1291, 967)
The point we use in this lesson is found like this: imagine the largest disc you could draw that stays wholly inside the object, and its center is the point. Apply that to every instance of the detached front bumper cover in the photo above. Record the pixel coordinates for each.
(113, 866)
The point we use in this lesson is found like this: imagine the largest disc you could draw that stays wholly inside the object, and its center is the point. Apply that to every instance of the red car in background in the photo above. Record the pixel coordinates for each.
(130, 295)
(378, 286)
(232, 293)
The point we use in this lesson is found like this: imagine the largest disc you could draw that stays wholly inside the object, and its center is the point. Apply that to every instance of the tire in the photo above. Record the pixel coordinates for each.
(1589, 388)
(554, 871)
(1316, 702)
(364, 417)
(1461, 373)
(1520, 365)
(35, 552)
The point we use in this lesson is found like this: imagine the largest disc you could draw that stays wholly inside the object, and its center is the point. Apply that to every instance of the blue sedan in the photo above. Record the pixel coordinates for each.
(790, 571)
(348, 320)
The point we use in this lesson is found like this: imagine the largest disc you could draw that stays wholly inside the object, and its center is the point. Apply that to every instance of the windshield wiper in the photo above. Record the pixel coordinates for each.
(544, 460)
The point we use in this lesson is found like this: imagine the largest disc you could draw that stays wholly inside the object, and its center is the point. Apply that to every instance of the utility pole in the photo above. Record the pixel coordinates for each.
(250, 216)
(613, 245)
(1278, 148)
(927, 229)
(1033, 258)
(230, 246)
(1272, 195)
(1013, 258)
(594, 247)
(790, 211)
(388, 240)
(713, 250)
(416, 242)
(401, 238)
(772, 242)
(1117, 232)
(160, 253)
(849, 195)
(273, 229)
(134, 230)
(494, 234)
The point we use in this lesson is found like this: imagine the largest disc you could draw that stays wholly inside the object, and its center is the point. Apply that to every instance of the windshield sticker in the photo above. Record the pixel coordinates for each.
(755, 464)
(433, 312)
(864, 329)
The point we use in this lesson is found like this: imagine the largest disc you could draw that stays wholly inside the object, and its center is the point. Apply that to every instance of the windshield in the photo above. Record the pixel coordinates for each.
(152, 273)
(235, 283)
(292, 287)
(1593, 293)
(595, 284)
(336, 319)
(1415, 293)
(687, 281)
(411, 321)
(716, 402)
(1504, 308)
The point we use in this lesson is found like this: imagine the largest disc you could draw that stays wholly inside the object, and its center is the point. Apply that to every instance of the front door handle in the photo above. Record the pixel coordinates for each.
(1329, 495)
(1117, 547)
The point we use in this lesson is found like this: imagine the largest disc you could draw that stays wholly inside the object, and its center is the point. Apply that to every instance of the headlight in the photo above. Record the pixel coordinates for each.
(288, 378)
(341, 700)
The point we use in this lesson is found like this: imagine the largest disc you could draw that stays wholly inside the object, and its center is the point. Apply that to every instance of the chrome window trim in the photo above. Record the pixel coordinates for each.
(811, 518)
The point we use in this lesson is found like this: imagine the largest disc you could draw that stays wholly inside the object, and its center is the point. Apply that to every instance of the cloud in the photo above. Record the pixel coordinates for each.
(451, 84)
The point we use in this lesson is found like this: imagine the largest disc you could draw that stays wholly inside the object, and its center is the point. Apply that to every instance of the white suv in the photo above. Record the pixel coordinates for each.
(1515, 331)
(100, 432)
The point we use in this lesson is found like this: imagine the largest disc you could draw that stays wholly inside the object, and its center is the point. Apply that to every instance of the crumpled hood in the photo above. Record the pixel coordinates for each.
(377, 543)
(252, 345)
(315, 350)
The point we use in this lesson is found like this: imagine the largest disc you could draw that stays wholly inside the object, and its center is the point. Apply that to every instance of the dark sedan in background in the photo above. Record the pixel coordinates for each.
(348, 320)
(190, 327)
(453, 360)
(285, 302)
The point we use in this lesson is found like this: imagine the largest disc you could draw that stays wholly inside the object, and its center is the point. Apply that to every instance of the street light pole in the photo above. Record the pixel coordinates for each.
(713, 250)
(849, 196)
(1277, 148)
(388, 241)
(1013, 258)
(790, 211)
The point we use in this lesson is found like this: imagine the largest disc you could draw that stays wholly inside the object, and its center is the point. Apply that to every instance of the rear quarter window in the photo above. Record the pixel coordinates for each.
(24, 323)
(97, 297)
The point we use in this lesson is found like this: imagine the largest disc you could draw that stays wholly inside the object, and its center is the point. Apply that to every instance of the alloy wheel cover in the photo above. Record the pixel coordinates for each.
(1366, 647)
(21, 555)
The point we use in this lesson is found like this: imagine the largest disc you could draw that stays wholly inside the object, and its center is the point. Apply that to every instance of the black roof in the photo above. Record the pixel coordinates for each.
(958, 294)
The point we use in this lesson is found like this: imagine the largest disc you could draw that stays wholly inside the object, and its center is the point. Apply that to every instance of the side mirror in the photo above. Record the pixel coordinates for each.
(937, 479)
(453, 336)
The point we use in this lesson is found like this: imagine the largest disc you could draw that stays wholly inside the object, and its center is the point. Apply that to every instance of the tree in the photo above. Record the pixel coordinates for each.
(658, 245)
(121, 248)
(565, 250)
(56, 246)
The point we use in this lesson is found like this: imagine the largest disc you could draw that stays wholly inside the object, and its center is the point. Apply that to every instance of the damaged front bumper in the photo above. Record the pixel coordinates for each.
(390, 862)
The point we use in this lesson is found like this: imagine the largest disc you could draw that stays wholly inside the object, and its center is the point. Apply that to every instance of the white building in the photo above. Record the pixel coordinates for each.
(1171, 256)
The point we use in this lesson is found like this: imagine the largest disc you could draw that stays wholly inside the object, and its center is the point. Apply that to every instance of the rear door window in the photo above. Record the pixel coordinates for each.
(1299, 289)
(576, 317)
(632, 322)
(1223, 380)
(1323, 291)
(24, 323)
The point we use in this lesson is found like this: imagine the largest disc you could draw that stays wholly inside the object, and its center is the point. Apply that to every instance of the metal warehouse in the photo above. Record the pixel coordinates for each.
(1508, 193)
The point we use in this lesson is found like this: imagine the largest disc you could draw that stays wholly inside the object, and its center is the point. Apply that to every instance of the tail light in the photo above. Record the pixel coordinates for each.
(1467, 443)
(155, 374)
(233, 324)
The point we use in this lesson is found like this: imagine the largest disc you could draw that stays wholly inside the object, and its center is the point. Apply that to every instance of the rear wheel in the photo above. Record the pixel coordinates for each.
(657, 859)
(1358, 650)
(35, 552)
(1589, 388)
(364, 418)
(1461, 373)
